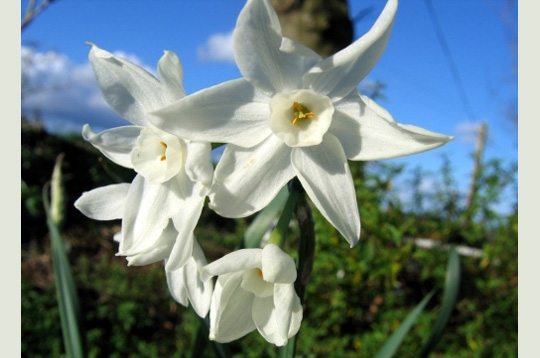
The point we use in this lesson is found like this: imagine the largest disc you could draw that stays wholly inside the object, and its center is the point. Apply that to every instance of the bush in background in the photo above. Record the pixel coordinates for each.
(355, 299)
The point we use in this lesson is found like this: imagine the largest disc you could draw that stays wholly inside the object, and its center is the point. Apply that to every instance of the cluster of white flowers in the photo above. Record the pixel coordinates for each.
(293, 114)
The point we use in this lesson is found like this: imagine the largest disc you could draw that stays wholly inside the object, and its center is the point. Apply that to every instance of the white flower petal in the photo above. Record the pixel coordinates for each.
(198, 256)
(105, 203)
(223, 290)
(253, 282)
(337, 75)
(309, 56)
(185, 219)
(264, 316)
(129, 89)
(284, 298)
(160, 249)
(116, 144)
(232, 112)
(181, 251)
(230, 313)
(147, 212)
(235, 261)
(257, 41)
(186, 286)
(324, 173)
(198, 165)
(158, 252)
(177, 286)
(246, 180)
(371, 104)
(279, 317)
(277, 266)
(296, 316)
(189, 192)
(171, 75)
(375, 135)
(118, 236)
(199, 292)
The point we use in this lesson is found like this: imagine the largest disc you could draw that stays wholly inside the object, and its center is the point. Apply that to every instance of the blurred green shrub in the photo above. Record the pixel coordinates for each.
(355, 299)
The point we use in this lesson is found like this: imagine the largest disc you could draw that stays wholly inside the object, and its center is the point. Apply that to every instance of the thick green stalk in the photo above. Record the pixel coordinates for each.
(279, 235)
(306, 249)
(201, 341)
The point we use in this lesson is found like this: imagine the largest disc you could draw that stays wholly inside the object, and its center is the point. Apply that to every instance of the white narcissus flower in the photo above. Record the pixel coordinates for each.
(254, 290)
(294, 114)
(185, 282)
(162, 205)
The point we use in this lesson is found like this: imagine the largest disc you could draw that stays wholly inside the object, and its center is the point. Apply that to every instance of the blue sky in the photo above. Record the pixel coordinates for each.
(422, 88)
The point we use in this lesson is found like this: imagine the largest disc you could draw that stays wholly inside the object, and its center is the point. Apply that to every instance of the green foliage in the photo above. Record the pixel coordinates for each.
(40, 322)
(355, 300)
(357, 297)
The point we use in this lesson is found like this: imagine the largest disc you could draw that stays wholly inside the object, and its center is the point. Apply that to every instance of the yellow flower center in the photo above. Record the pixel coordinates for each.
(301, 112)
(164, 145)
(259, 272)
(158, 156)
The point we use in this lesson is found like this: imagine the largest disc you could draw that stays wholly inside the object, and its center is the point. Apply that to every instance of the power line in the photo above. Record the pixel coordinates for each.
(448, 55)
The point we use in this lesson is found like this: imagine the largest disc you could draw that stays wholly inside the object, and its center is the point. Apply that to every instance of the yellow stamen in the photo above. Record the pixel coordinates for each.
(164, 145)
(301, 112)
(259, 273)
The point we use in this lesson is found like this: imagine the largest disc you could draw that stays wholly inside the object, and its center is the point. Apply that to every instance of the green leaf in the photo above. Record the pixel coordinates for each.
(261, 224)
(393, 343)
(453, 278)
(68, 301)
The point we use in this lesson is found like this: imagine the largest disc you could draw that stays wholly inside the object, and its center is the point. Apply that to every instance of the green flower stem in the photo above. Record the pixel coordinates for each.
(306, 250)
(201, 340)
(279, 235)
(260, 225)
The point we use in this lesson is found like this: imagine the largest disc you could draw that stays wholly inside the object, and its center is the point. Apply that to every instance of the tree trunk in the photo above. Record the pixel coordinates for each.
(322, 25)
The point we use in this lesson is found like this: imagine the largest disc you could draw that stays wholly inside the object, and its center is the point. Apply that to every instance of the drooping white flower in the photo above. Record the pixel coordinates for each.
(294, 114)
(186, 284)
(254, 290)
(162, 205)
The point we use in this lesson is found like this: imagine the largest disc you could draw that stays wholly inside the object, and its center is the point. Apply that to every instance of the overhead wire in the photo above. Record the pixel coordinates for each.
(450, 60)
(453, 68)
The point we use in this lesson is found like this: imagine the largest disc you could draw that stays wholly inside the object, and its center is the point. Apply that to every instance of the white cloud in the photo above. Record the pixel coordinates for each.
(65, 94)
(218, 47)
(468, 131)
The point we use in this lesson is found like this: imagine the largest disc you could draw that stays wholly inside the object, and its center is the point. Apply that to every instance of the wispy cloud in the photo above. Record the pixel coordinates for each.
(218, 47)
(64, 95)
(467, 132)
